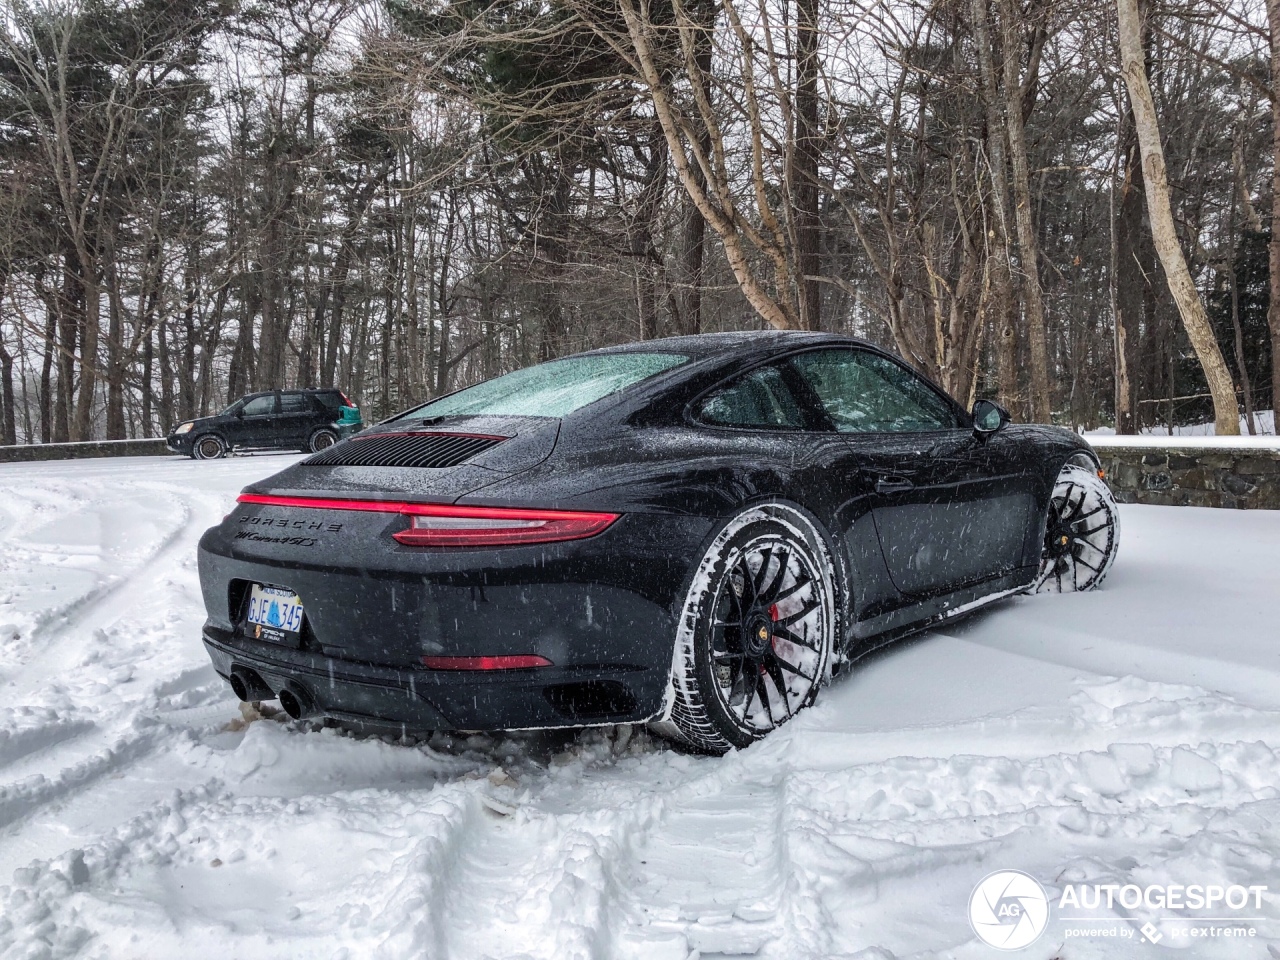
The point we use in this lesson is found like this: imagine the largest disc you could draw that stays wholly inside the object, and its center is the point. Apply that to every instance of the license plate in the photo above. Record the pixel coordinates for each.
(274, 614)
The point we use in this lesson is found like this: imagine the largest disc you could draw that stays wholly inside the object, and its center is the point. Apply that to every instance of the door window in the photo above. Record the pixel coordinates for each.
(759, 399)
(296, 403)
(863, 392)
(262, 406)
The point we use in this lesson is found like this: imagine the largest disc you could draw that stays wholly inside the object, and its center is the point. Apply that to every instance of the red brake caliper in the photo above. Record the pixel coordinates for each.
(773, 615)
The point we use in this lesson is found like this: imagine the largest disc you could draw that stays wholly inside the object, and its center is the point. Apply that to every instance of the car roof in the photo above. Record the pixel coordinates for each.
(742, 343)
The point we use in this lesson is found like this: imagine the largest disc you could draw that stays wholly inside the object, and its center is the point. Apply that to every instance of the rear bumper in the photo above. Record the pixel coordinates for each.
(601, 610)
(422, 700)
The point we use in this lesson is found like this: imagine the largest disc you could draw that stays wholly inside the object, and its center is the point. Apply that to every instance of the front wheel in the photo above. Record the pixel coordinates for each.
(1081, 535)
(756, 633)
(208, 447)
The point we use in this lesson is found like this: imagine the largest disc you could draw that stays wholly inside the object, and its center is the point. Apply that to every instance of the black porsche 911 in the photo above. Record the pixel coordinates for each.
(697, 533)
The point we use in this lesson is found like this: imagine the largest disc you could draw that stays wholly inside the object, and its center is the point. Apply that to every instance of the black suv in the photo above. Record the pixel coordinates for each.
(306, 420)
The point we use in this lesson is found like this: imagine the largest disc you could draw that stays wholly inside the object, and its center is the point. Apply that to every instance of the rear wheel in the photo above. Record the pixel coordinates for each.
(208, 447)
(322, 439)
(1081, 535)
(756, 634)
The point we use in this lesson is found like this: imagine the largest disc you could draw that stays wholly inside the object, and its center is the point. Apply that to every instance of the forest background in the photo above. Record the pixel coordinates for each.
(203, 198)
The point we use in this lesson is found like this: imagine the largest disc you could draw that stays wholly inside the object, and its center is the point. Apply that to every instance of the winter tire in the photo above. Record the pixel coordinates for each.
(756, 633)
(1082, 533)
(208, 447)
(322, 439)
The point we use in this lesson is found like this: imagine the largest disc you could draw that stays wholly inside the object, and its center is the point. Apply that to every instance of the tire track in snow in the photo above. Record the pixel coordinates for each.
(711, 874)
(109, 602)
(49, 624)
(69, 768)
(21, 797)
(29, 730)
(534, 883)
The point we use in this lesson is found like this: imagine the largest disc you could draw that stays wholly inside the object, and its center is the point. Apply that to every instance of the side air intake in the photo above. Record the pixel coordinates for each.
(404, 450)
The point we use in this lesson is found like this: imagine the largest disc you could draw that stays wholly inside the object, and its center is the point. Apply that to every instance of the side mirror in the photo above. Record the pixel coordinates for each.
(988, 418)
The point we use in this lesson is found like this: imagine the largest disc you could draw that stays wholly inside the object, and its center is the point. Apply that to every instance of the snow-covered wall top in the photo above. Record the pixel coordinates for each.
(1185, 442)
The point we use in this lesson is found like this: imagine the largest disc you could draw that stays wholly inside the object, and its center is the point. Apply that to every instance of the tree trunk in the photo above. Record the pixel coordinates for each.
(8, 425)
(1273, 311)
(167, 420)
(115, 355)
(1002, 307)
(1163, 233)
(187, 370)
(46, 367)
(1015, 97)
(804, 166)
(67, 330)
(641, 234)
(1239, 196)
(148, 388)
(693, 240)
(1132, 271)
(91, 312)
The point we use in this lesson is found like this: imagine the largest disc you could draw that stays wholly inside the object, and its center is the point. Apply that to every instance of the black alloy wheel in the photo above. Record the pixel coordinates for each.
(1082, 533)
(763, 637)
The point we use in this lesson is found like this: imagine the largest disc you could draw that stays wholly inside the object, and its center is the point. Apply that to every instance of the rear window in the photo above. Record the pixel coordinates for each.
(553, 389)
(296, 403)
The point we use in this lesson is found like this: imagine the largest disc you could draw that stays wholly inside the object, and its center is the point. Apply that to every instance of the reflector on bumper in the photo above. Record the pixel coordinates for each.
(512, 662)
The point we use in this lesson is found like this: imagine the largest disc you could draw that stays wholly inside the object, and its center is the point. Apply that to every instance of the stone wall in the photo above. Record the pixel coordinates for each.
(76, 451)
(1185, 475)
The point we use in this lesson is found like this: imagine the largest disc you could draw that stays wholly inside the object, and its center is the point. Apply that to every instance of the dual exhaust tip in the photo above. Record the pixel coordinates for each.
(296, 702)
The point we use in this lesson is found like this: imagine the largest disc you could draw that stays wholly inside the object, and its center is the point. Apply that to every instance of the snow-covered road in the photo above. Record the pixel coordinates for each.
(1127, 736)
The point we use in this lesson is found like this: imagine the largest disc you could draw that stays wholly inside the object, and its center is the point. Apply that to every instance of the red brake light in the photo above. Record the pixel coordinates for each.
(446, 525)
(480, 526)
(513, 662)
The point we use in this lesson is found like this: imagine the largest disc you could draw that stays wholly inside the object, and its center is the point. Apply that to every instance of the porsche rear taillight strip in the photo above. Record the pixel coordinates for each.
(447, 525)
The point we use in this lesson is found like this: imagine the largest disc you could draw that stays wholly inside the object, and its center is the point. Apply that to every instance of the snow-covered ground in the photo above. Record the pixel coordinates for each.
(1126, 736)
(1263, 425)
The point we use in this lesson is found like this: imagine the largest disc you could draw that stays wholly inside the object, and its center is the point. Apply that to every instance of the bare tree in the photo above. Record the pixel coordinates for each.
(1164, 234)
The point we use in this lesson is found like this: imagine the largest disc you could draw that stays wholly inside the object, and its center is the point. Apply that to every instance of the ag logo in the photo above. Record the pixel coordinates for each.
(1008, 910)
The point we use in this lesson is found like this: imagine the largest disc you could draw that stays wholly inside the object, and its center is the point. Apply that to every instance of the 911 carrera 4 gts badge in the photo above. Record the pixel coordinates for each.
(284, 523)
(288, 541)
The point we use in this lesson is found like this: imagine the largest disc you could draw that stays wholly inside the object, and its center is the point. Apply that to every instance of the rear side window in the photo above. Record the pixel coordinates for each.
(553, 389)
(864, 392)
(296, 403)
(330, 399)
(759, 399)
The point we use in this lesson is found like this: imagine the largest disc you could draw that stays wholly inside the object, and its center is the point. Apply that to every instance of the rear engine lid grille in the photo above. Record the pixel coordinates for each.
(418, 449)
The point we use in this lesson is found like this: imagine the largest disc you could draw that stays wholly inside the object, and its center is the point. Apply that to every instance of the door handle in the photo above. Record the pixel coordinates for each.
(893, 484)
